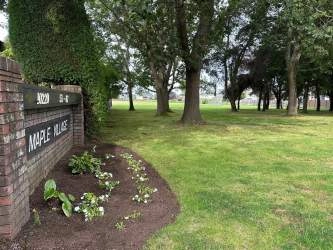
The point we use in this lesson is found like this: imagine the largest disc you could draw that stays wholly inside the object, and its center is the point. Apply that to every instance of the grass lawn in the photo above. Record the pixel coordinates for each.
(249, 180)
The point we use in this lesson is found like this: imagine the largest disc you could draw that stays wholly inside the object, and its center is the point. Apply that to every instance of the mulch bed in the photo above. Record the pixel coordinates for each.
(59, 232)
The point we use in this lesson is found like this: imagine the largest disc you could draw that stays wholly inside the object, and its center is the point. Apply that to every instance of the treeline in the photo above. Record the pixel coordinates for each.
(276, 48)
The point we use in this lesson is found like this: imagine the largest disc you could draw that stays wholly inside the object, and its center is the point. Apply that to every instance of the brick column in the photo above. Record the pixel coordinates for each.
(78, 116)
(14, 187)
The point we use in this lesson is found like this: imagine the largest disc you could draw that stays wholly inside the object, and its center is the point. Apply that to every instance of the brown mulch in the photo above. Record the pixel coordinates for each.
(58, 232)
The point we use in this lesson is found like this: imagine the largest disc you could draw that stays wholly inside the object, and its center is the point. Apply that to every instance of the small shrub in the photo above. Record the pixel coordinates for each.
(85, 163)
(51, 192)
(90, 206)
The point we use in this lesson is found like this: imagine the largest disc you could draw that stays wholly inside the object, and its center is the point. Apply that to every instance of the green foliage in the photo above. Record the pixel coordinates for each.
(85, 163)
(54, 43)
(90, 206)
(50, 191)
(36, 217)
(120, 226)
(144, 192)
(8, 52)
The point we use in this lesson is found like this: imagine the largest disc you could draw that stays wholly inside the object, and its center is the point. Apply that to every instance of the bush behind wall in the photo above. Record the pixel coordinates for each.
(53, 41)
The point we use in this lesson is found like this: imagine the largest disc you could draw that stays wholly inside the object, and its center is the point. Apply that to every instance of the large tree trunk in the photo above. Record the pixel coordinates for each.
(278, 102)
(259, 100)
(162, 96)
(292, 98)
(318, 97)
(266, 101)
(191, 114)
(130, 97)
(161, 78)
(306, 98)
(193, 54)
(292, 59)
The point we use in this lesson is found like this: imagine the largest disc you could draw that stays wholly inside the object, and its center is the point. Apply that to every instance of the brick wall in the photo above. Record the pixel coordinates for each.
(19, 175)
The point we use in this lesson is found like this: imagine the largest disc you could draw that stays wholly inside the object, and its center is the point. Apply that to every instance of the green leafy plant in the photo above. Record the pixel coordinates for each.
(133, 216)
(120, 226)
(50, 192)
(90, 206)
(108, 185)
(36, 217)
(144, 192)
(85, 163)
(109, 156)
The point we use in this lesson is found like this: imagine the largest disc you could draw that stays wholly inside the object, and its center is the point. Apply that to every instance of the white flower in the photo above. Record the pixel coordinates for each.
(145, 201)
(101, 210)
(126, 217)
(155, 190)
(107, 196)
(77, 209)
(136, 196)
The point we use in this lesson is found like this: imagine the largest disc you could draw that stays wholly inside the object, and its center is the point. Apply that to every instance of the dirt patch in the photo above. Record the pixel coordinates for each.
(59, 232)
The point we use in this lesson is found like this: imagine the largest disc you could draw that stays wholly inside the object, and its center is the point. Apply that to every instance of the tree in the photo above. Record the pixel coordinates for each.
(240, 31)
(148, 27)
(308, 28)
(193, 50)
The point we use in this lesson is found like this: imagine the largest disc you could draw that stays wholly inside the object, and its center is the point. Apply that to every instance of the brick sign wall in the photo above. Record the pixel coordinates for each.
(38, 126)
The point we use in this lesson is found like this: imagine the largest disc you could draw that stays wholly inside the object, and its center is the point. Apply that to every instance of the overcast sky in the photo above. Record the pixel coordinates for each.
(3, 26)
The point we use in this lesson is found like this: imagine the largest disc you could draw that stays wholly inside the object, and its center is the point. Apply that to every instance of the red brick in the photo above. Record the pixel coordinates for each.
(5, 191)
(6, 230)
(6, 201)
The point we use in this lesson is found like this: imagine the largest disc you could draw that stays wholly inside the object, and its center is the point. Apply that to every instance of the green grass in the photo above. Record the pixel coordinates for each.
(249, 180)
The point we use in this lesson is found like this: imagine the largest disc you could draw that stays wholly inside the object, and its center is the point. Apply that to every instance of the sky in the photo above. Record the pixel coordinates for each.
(3, 26)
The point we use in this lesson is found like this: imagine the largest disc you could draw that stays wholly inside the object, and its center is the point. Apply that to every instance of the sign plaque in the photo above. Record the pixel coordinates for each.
(39, 136)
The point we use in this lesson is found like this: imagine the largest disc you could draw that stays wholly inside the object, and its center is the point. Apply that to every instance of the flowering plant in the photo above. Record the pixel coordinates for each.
(109, 156)
(144, 191)
(90, 205)
(108, 185)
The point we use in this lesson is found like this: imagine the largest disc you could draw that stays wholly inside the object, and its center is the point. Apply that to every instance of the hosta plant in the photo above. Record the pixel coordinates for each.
(85, 163)
(51, 192)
